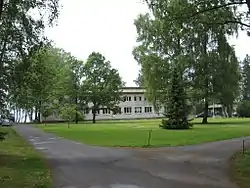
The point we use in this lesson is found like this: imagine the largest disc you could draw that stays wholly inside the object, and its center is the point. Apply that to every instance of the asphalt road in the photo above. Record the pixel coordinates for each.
(76, 165)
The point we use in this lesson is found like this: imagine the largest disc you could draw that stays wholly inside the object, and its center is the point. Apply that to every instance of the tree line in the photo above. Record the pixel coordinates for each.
(52, 81)
(184, 44)
(37, 78)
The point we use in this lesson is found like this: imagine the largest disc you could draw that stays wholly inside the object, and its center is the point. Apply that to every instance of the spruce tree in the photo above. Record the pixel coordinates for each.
(177, 106)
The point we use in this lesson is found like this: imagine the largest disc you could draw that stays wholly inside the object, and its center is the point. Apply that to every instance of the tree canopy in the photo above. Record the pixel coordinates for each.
(177, 31)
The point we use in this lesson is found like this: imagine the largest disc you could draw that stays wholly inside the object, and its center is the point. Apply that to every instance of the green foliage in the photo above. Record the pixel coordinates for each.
(20, 33)
(68, 112)
(139, 80)
(46, 111)
(102, 84)
(172, 30)
(246, 78)
(243, 109)
(177, 105)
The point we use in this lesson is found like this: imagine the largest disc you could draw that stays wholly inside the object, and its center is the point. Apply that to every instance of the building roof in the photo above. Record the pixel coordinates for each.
(133, 90)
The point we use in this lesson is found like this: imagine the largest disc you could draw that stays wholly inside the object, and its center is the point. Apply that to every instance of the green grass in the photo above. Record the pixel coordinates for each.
(241, 169)
(134, 133)
(20, 165)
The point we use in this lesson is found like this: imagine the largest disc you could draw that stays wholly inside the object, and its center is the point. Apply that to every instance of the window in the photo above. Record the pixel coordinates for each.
(86, 111)
(106, 111)
(126, 98)
(145, 98)
(148, 109)
(134, 98)
(138, 110)
(127, 110)
(139, 98)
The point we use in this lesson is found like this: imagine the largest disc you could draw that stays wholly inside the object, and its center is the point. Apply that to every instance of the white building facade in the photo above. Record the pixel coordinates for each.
(134, 106)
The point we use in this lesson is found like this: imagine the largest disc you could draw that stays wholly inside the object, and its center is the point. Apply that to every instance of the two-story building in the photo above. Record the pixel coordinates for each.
(134, 106)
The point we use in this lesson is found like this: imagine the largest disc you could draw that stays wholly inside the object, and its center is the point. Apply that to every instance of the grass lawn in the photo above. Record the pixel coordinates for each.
(134, 133)
(241, 169)
(20, 165)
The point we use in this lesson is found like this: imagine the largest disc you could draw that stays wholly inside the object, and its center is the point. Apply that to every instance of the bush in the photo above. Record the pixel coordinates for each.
(243, 109)
(175, 124)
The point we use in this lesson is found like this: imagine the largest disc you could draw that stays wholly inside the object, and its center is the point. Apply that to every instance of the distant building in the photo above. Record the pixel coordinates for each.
(134, 106)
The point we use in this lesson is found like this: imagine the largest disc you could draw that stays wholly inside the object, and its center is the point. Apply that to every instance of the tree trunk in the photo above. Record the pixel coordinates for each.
(76, 116)
(36, 113)
(94, 116)
(206, 81)
(204, 120)
(31, 115)
(39, 112)
(19, 115)
(25, 116)
(68, 124)
(230, 110)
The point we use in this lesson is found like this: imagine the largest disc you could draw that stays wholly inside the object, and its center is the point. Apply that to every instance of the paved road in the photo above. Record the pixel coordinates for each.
(77, 165)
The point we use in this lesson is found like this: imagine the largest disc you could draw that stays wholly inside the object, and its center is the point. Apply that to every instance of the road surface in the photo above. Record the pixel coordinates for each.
(76, 165)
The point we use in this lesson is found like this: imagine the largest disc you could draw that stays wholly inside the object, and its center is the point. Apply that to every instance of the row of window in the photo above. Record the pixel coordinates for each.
(136, 98)
(127, 110)
(138, 110)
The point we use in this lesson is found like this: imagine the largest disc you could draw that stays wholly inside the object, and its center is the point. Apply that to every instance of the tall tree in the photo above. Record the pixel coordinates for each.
(167, 37)
(21, 31)
(246, 78)
(102, 84)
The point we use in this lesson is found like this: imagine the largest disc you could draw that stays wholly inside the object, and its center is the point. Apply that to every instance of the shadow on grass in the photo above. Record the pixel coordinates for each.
(226, 122)
(20, 162)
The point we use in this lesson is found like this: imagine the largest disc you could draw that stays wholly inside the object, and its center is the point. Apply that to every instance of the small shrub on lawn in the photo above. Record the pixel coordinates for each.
(174, 124)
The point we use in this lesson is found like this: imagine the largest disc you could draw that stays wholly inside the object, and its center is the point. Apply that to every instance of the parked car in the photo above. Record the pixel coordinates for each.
(202, 114)
(7, 123)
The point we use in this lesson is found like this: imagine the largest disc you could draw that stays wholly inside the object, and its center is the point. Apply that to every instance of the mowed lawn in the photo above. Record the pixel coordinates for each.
(134, 133)
(20, 165)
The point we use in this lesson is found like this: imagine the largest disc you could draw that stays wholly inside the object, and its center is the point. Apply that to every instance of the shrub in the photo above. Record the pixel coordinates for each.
(175, 124)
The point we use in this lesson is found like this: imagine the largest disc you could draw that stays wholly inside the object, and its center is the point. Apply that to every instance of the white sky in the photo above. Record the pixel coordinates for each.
(107, 26)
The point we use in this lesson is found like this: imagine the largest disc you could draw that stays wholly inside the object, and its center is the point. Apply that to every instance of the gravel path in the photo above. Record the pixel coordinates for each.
(76, 165)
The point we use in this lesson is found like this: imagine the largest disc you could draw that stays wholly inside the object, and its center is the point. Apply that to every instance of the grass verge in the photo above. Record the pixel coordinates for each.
(241, 169)
(20, 165)
(135, 133)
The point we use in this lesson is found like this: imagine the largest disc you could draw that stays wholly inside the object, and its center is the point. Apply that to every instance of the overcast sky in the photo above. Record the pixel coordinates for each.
(106, 26)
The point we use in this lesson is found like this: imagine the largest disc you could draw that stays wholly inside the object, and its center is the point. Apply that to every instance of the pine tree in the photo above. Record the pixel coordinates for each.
(177, 107)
